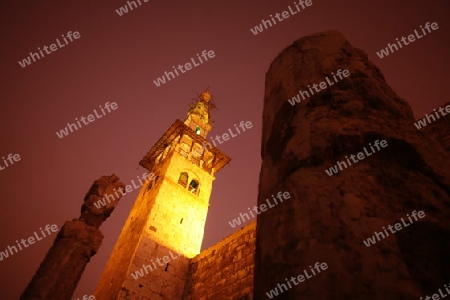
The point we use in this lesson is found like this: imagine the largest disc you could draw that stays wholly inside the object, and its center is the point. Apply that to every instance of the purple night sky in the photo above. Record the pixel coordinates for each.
(116, 58)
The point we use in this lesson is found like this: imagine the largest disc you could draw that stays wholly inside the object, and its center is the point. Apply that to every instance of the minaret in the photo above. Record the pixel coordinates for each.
(166, 224)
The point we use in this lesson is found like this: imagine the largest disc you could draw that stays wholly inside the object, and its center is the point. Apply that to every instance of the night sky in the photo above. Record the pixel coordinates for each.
(116, 58)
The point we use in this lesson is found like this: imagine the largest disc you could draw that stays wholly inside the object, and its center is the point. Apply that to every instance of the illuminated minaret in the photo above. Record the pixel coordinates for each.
(166, 224)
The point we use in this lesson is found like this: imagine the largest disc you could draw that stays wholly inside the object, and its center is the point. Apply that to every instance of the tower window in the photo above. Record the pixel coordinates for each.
(183, 180)
(181, 222)
(193, 186)
(197, 130)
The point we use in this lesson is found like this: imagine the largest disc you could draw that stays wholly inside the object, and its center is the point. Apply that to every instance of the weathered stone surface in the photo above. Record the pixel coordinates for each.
(328, 217)
(224, 271)
(163, 280)
(440, 129)
(75, 244)
(106, 185)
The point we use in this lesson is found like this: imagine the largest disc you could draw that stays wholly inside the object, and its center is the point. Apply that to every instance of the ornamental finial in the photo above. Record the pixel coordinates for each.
(206, 95)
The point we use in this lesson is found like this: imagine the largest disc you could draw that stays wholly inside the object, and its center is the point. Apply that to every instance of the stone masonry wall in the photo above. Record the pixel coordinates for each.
(224, 271)
(163, 276)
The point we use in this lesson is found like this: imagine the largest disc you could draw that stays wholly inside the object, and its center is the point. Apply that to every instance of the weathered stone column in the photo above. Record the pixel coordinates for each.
(75, 244)
(327, 217)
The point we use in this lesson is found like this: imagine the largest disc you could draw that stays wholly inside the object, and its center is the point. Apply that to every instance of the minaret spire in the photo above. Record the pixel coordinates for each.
(169, 214)
(198, 116)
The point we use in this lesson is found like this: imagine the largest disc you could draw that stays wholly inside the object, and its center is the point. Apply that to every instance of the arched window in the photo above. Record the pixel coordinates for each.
(197, 130)
(183, 180)
(193, 187)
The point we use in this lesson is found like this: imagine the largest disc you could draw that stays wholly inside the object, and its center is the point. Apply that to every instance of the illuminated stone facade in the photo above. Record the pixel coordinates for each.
(169, 217)
(225, 270)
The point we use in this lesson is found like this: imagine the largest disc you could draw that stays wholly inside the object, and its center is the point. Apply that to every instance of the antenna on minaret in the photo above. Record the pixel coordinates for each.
(207, 97)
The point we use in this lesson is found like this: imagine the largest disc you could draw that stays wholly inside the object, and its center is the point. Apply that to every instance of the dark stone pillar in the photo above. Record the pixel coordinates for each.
(327, 217)
(75, 244)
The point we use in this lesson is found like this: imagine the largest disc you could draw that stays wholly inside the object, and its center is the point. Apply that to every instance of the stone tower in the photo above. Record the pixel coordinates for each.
(330, 216)
(166, 224)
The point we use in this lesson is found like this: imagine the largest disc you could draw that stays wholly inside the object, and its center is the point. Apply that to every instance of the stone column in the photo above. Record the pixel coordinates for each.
(75, 244)
(327, 217)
